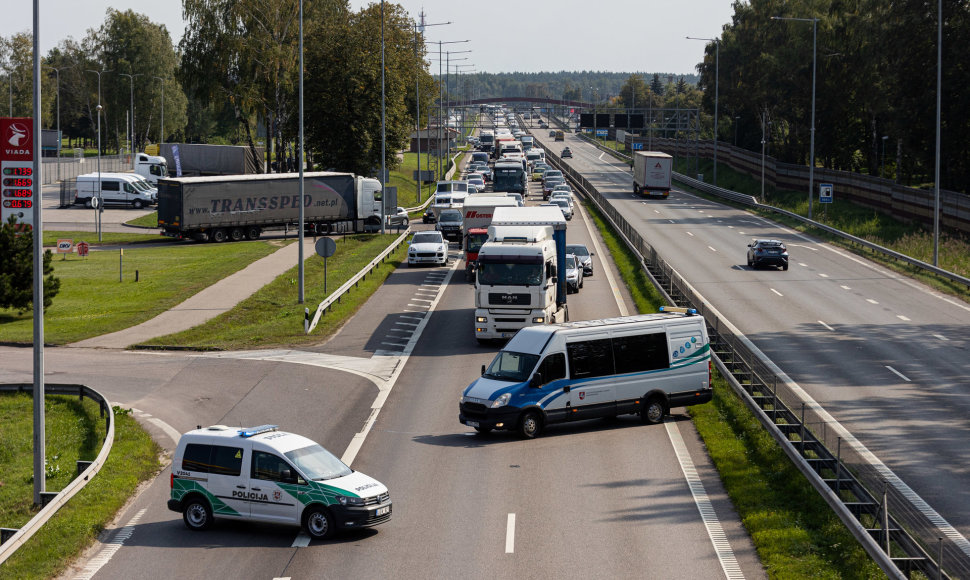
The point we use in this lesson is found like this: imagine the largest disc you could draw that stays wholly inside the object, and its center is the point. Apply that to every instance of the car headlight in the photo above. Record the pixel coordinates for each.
(344, 500)
(502, 401)
(481, 319)
(538, 319)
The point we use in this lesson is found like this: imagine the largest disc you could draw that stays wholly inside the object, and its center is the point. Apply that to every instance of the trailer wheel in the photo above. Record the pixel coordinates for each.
(218, 235)
(236, 234)
(252, 233)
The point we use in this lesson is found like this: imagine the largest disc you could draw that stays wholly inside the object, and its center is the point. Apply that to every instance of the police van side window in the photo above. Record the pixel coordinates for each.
(269, 467)
(215, 459)
(590, 358)
(553, 368)
(644, 352)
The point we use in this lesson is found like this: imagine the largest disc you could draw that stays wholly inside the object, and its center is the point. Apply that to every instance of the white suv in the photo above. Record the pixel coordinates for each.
(264, 474)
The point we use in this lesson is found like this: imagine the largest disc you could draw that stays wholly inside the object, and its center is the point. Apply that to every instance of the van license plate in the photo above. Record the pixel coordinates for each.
(472, 423)
(383, 511)
(507, 334)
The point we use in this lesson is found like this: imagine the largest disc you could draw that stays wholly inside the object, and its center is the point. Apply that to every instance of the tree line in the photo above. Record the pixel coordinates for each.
(875, 84)
(233, 79)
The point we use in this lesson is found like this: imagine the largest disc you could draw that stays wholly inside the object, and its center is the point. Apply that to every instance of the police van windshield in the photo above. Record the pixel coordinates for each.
(317, 463)
(511, 366)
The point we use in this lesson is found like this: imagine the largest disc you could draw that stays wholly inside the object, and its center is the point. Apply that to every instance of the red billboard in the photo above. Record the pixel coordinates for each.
(19, 183)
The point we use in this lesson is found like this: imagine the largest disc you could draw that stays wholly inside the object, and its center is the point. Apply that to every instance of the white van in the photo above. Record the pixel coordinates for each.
(116, 188)
(642, 365)
(267, 475)
(151, 167)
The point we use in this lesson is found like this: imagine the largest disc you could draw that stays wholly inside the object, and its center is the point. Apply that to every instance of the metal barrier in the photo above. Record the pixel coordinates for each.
(850, 479)
(338, 294)
(85, 472)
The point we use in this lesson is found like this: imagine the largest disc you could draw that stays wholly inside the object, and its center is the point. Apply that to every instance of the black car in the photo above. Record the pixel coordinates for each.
(449, 224)
(429, 217)
(566, 153)
(767, 253)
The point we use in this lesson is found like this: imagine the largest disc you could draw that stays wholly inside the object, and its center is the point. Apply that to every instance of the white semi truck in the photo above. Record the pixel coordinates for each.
(521, 272)
(651, 173)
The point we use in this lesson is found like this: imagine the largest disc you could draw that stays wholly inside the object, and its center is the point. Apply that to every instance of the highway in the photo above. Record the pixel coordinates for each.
(885, 355)
(587, 499)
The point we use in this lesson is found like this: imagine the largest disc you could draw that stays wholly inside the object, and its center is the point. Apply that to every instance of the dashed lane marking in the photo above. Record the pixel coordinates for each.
(898, 374)
(826, 326)
(777, 292)
(110, 548)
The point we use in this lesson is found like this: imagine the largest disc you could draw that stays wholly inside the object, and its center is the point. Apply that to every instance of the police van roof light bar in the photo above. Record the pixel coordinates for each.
(678, 310)
(251, 431)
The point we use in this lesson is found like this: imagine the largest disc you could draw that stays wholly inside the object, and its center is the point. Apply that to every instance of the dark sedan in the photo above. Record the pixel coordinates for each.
(767, 253)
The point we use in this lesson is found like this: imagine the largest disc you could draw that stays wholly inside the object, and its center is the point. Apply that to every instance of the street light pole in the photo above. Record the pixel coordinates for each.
(161, 136)
(383, 133)
(811, 163)
(717, 65)
(936, 178)
(57, 73)
(882, 164)
(131, 82)
(417, 100)
(100, 209)
(299, 162)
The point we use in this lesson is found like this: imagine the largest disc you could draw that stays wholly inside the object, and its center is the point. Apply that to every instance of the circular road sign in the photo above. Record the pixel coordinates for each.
(82, 248)
(326, 247)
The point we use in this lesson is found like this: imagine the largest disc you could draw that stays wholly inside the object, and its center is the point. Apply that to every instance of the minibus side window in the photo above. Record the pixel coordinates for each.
(590, 358)
(643, 352)
(553, 368)
(110, 186)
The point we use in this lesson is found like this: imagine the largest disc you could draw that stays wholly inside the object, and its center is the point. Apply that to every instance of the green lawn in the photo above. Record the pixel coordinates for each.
(93, 302)
(273, 317)
(75, 431)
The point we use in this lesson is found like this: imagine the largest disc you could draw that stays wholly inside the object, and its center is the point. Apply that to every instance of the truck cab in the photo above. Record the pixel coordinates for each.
(151, 167)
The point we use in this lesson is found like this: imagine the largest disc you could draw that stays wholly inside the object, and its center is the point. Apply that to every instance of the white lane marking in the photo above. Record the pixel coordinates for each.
(899, 374)
(415, 311)
(355, 444)
(871, 301)
(604, 267)
(777, 292)
(803, 264)
(407, 323)
(711, 248)
(903, 318)
(510, 534)
(394, 343)
(690, 234)
(941, 337)
(600, 158)
(416, 306)
(282, 578)
(422, 300)
(826, 326)
(722, 547)
(823, 275)
(111, 546)
(168, 429)
(656, 211)
(844, 287)
(302, 540)
(412, 317)
(671, 221)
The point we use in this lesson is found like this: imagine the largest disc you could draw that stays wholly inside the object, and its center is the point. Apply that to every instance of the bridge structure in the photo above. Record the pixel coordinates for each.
(534, 100)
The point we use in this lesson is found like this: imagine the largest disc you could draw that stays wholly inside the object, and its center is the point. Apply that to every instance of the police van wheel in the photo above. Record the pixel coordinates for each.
(197, 514)
(653, 412)
(531, 425)
(318, 523)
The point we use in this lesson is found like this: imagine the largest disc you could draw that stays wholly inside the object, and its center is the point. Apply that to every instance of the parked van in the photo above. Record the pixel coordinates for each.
(642, 365)
(267, 475)
(116, 189)
(151, 167)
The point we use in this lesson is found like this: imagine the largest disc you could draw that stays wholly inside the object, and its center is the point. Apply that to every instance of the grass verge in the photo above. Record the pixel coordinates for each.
(794, 531)
(74, 431)
(145, 221)
(272, 316)
(92, 301)
(107, 238)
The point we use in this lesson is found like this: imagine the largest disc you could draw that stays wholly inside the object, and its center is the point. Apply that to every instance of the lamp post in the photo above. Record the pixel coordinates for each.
(100, 209)
(939, 88)
(765, 133)
(57, 72)
(737, 120)
(299, 158)
(811, 163)
(131, 82)
(440, 89)
(417, 99)
(161, 135)
(448, 59)
(717, 65)
(882, 165)
(383, 114)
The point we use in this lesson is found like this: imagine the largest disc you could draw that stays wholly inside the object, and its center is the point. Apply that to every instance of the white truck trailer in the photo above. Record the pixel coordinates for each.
(651, 173)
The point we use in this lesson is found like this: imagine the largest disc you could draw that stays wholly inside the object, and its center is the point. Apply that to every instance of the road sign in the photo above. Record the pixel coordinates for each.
(326, 247)
(637, 146)
(65, 246)
(602, 132)
(82, 249)
(17, 169)
(825, 192)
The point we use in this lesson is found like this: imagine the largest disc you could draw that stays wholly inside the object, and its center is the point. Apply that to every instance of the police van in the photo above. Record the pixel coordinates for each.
(642, 365)
(268, 475)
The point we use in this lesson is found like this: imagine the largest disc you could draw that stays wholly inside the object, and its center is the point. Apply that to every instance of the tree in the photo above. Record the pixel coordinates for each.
(656, 85)
(17, 269)
(634, 91)
(17, 63)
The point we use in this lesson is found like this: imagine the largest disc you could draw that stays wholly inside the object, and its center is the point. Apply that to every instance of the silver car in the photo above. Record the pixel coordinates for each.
(574, 274)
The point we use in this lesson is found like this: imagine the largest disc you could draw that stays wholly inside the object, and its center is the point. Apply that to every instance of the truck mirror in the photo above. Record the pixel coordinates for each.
(483, 369)
(536, 381)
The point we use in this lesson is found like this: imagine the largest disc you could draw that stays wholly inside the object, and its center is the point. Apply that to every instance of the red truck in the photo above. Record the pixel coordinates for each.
(477, 214)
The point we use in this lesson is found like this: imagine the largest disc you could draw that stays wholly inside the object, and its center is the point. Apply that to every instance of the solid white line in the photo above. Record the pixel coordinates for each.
(903, 318)
(111, 546)
(777, 292)
(510, 535)
(899, 374)
(722, 547)
(168, 429)
(604, 266)
(826, 326)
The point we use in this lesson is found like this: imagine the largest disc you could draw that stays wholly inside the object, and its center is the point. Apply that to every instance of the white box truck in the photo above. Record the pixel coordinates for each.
(651, 173)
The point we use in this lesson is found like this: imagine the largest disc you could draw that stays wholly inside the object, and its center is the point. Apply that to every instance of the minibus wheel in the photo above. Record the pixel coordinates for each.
(531, 425)
(653, 412)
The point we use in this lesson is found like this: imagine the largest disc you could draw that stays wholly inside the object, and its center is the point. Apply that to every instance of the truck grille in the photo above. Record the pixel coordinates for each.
(508, 299)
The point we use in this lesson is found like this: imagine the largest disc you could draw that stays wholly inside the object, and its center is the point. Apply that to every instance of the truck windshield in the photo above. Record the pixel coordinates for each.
(511, 366)
(317, 463)
(496, 274)
(475, 242)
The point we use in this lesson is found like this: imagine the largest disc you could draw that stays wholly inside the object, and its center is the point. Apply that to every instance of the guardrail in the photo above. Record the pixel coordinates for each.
(86, 470)
(361, 275)
(851, 479)
(752, 201)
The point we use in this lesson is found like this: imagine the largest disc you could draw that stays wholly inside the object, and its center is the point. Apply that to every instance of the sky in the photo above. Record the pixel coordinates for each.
(504, 35)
